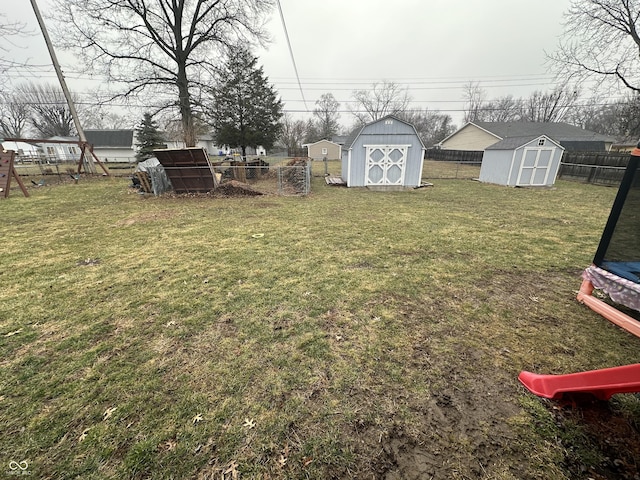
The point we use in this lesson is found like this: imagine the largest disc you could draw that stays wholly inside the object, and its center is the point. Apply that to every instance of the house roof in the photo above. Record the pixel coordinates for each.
(352, 136)
(15, 146)
(64, 139)
(559, 131)
(321, 141)
(513, 143)
(110, 138)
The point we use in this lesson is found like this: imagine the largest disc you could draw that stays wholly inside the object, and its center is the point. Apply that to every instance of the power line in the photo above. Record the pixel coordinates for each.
(293, 60)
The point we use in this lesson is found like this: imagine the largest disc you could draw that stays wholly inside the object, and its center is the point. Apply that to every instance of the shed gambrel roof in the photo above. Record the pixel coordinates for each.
(559, 131)
(357, 131)
(110, 138)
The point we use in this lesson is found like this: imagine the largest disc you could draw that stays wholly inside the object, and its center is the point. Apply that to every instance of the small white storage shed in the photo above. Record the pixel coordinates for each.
(386, 153)
(531, 161)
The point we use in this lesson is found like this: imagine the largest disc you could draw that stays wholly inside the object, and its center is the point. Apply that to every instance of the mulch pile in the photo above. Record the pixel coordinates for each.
(233, 188)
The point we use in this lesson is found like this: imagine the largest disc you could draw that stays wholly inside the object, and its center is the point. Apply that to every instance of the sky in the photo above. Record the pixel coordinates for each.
(434, 48)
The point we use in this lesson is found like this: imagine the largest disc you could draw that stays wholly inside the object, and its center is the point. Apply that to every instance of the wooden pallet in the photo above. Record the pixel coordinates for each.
(145, 182)
(334, 181)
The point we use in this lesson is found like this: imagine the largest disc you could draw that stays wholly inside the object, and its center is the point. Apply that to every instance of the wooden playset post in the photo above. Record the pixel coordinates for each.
(7, 170)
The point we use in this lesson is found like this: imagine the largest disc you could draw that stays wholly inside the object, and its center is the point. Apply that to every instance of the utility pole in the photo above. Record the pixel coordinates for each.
(86, 153)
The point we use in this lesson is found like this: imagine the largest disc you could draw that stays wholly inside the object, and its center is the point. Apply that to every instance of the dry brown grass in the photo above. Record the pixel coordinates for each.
(358, 335)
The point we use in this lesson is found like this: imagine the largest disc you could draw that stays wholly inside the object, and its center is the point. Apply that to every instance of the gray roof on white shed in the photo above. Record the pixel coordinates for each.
(513, 143)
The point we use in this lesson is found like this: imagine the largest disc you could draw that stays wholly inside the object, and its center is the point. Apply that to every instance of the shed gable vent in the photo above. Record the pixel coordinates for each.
(388, 122)
(541, 142)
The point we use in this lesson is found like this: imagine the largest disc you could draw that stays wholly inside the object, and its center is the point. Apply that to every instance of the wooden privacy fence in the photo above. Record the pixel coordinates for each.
(467, 156)
(600, 168)
(593, 167)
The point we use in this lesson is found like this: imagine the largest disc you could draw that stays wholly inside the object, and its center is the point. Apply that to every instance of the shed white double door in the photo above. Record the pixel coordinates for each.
(386, 164)
(536, 166)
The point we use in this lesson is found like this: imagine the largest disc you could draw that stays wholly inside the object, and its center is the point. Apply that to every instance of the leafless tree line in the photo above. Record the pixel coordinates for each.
(556, 105)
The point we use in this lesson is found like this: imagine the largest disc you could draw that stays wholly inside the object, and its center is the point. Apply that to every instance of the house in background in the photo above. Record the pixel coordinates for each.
(113, 145)
(625, 145)
(323, 150)
(61, 152)
(339, 139)
(25, 152)
(204, 141)
(531, 161)
(108, 145)
(386, 154)
(212, 148)
(478, 136)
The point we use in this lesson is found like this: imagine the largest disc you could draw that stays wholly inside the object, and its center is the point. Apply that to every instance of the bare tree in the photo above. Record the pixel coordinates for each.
(620, 118)
(326, 113)
(475, 98)
(292, 133)
(14, 116)
(49, 113)
(551, 106)
(601, 41)
(386, 98)
(432, 126)
(155, 46)
(312, 132)
(503, 109)
(10, 32)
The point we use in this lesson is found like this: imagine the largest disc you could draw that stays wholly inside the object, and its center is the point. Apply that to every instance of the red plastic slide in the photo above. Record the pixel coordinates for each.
(602, 384)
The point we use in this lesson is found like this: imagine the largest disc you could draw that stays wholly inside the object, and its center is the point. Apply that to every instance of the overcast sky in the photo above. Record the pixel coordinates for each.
(433, 47)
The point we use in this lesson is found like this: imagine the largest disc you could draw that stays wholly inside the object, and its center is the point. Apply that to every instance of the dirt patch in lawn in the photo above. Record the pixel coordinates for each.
(471, 423)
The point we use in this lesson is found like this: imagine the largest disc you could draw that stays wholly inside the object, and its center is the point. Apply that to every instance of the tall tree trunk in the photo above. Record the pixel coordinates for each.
(186, 114)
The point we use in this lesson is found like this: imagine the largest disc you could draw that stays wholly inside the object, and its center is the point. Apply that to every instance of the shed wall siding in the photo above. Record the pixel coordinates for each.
(518, 155)
(470, 138)
(495, 166)
(503, 167)
(315, 151)
(413, 165)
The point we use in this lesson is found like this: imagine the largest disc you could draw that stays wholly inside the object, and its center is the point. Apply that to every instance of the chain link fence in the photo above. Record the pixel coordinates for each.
(441, 170)
(240, 178)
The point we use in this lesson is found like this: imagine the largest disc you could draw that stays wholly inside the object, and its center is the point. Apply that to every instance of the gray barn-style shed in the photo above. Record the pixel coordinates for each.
(531, 161)
(386, 153)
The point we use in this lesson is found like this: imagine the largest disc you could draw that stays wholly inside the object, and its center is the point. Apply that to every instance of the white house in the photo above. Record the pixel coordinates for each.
(25, 152)
(61, 152)
(113, 145)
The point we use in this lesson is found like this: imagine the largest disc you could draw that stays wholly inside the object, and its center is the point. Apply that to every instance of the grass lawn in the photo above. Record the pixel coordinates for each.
(347, 334)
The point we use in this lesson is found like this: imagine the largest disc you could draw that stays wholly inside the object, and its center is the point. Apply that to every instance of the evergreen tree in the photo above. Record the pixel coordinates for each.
(246, 111)
(149, 138)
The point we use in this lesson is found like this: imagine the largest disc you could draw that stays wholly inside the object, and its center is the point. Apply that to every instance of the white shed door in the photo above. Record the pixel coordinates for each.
(386, 164)
(535, 167)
